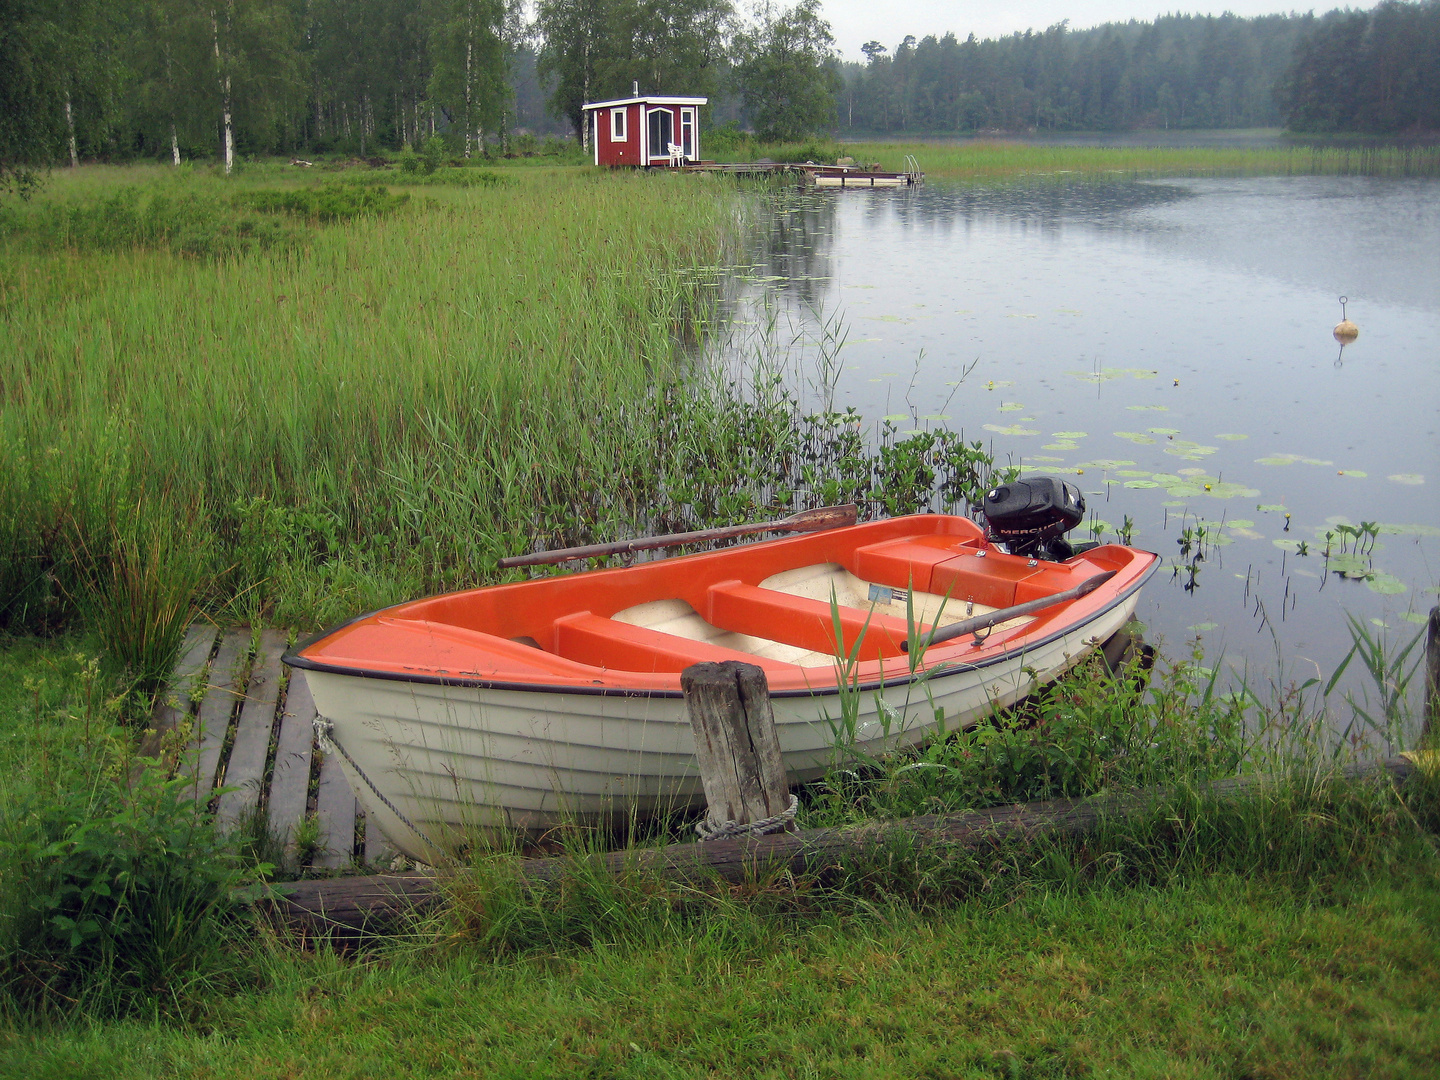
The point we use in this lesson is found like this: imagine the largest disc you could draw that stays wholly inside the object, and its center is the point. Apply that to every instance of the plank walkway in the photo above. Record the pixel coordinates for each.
(251, 748)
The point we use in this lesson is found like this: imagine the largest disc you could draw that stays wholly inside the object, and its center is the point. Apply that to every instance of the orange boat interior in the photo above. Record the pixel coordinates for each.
(776, 603)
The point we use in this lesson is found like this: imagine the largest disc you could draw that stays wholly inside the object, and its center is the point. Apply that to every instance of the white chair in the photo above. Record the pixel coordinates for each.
(677, 154)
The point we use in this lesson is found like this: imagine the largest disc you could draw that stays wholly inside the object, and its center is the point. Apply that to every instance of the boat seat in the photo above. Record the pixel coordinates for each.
(910, 561)
(587, 638)
(809, 624)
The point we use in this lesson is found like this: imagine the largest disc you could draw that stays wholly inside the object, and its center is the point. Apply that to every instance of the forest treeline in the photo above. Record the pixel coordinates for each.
(195, 78)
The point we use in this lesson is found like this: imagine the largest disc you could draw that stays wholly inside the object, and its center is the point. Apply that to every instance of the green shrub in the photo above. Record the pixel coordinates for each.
(115, 897)
(432, 154)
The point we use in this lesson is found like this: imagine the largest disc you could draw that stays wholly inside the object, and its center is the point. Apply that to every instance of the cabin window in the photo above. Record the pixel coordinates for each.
(617, 126)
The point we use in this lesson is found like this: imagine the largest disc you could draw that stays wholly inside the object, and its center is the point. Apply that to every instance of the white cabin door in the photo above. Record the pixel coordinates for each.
(662, 132)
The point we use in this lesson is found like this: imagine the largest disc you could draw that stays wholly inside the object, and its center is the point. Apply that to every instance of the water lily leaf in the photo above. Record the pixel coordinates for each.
(1192, 472)
(1106, 374)
(1190, 450)
(1139, 438)
(1286, 544)
(1411, 478)
(1064, 445)
(1240, 523)
(1271, 508)
(1069, 434)
(1348, 564)
(937, 417)
(1230, 436)
(1014, 429)
(1165, 478)
(897, 418)
(1104, 463)
(1248, 534)
(1010, 406)
(1352, 472)
(1164, 431)
(1148, 408)
(1410, 530)
(1141, 484)
(1203, 627)
(1385, 585)
(1415, 617)
(1039, 457)
(1174, 502)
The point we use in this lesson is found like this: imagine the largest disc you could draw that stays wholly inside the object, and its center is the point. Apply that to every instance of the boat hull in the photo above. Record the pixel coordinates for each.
(456, 759)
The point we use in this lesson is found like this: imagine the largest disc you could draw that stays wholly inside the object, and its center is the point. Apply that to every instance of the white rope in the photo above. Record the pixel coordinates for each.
(724, 830)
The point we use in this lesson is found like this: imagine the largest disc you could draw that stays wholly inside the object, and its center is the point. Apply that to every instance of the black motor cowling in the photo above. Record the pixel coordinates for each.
(1031, 516)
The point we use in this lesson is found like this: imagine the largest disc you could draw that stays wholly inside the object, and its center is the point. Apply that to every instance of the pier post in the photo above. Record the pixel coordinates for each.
(736, 745)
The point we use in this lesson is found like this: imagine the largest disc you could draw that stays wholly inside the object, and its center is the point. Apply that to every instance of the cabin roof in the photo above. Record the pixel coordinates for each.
(646, 100)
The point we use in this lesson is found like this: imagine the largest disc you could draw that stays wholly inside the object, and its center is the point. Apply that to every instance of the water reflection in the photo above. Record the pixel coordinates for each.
(1170, 345)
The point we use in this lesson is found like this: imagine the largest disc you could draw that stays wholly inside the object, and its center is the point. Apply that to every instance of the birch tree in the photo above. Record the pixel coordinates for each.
(468, 53)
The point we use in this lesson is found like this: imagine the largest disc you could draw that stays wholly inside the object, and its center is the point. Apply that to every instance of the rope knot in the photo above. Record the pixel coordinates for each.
(724, 830)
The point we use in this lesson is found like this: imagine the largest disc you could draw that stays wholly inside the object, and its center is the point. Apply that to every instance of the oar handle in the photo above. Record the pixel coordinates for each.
(822, 517)
(980, 622)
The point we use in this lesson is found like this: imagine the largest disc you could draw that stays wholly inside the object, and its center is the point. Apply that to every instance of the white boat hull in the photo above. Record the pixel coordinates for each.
(455, 761)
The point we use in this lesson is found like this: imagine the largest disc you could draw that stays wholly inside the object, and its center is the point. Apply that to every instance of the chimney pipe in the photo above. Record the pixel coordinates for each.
(636, 91)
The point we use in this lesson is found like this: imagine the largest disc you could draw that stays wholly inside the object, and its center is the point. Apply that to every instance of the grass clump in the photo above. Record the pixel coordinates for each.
(332, 202)
(117, 896)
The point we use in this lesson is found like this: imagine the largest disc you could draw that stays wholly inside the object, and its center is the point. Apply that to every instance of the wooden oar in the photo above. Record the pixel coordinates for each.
(823, 517)
(980, 622)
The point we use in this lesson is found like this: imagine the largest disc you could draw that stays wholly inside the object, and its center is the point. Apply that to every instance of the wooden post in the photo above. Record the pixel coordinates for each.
(735, 741)
(1432, 679)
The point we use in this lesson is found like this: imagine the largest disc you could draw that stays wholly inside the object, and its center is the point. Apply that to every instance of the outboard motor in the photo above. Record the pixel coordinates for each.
(1031, 517)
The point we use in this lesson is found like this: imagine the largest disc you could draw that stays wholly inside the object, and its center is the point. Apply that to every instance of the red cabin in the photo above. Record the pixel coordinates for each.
(645, 131)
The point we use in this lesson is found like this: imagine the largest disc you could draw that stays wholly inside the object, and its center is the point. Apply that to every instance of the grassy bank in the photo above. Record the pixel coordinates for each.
(1001, 160)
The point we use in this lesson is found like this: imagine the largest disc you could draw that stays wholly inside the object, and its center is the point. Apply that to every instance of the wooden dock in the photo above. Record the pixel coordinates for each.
(252, 753)
(809, 173)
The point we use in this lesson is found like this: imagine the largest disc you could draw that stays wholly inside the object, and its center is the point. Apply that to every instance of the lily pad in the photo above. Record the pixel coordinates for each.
(1271, 508)
(1137, 437)
(1141, 484)
(935, 417)
(1193, 451)
(1065, 444)
(1240, 523)
(1054, 460)
(1202, 627)
(1191, 472)
(1069, 434)
(1411, 478)
(1106, 374)
(1385, 584)
(1105, 463)
(1014, 429)
(1416, 618)
(1164, 431)
(1011, 406)
(1348, 564)
(1148, 408)
(1353, 472)
(1409, 530)
(1291, 459)
(1230, 436)
(897, 418)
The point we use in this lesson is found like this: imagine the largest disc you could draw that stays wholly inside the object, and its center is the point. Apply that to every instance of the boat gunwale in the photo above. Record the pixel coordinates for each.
(293, 659)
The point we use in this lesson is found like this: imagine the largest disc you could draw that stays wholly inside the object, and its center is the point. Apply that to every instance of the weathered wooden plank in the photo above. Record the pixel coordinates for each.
(335, 807)
(290, 780)
(351, 907)
(225, 686)
(736, 745)
(175, 703)
(245, 771)
(378, 851)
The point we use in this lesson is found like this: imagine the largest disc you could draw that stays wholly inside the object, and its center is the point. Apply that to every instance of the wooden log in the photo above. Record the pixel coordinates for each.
(245, 771)
(290, 779)
(736, 745)
(350, 908)
(1432, 679)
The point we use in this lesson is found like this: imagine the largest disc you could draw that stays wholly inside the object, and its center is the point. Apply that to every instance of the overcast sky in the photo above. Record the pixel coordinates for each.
(855, 22)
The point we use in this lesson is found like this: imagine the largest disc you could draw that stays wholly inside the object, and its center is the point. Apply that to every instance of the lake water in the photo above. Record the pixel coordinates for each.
(1167, 345)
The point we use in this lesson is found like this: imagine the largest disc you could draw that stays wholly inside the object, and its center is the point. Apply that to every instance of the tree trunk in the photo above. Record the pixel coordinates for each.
(70, 125)
(174, 145)
(228, 136)
(469, 76)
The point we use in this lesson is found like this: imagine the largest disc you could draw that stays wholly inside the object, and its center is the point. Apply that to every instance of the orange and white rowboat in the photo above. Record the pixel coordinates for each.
(526, 704)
